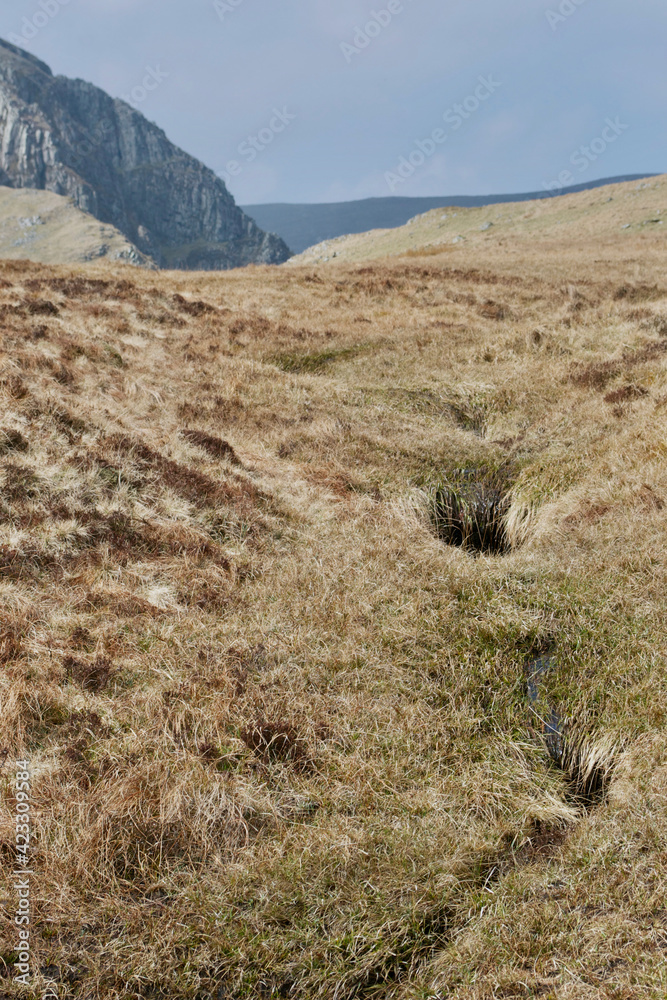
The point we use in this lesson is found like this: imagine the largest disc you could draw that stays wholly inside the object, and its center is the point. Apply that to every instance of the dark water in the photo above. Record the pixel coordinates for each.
(552, 724)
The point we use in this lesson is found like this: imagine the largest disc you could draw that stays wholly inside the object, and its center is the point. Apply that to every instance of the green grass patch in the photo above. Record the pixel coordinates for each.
(316, 362)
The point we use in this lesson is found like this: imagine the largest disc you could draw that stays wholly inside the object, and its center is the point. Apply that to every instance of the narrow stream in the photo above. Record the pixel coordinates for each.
(552, 724)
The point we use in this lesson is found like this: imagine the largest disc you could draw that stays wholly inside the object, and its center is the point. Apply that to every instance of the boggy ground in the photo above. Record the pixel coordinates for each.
(279, 732)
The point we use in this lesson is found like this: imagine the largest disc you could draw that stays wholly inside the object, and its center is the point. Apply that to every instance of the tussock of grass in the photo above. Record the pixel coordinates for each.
(470, 510)
(587, 766)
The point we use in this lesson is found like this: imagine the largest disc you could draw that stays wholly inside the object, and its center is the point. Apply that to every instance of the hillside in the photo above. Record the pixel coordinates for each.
(333, 620)
(45, 227)
(619, 211)
(302, 226)
(71, 138)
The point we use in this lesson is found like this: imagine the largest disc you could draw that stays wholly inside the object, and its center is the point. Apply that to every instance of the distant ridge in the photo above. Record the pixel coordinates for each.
(302, 226)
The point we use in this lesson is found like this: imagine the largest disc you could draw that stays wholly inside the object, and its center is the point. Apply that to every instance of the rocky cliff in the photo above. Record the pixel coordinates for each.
(70, 137)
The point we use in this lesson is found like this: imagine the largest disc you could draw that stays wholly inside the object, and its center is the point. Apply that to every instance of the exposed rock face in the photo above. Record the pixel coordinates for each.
(70, 137)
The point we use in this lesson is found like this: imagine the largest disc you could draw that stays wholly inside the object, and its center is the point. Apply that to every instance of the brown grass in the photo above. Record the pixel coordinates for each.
(278, 729)
(213, 445)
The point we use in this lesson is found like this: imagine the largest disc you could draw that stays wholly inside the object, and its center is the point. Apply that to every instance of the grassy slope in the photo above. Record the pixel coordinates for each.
(279, 732)
(64, 234)
(617, 211)
(302, 225)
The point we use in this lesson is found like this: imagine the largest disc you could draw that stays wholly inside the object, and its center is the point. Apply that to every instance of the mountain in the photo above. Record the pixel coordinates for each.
(302, 226)
(49, 229)
(71, 138)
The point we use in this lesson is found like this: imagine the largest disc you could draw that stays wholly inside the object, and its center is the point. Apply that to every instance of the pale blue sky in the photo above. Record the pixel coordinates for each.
(348, 115)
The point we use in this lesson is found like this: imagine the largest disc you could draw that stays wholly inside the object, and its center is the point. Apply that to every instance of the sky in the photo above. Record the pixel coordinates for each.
(334, 100)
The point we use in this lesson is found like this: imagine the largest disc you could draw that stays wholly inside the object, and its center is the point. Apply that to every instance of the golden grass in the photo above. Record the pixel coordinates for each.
(279, 732)
(617, 213)
(48, 228)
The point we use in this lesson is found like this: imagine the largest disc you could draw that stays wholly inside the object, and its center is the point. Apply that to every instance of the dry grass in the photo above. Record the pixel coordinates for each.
(279, 731)
(48, 228)
(618, 213)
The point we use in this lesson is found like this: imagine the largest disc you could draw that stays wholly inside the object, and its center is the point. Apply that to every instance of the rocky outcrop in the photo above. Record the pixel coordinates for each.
(70, 137)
